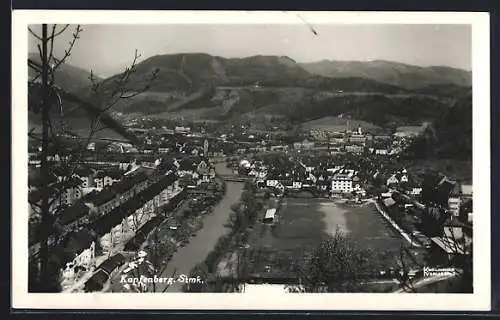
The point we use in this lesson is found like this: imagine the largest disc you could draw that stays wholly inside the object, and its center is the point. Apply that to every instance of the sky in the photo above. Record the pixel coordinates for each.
(107, 49)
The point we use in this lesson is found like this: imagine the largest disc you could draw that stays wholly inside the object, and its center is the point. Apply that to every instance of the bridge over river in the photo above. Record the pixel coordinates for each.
(234, 178)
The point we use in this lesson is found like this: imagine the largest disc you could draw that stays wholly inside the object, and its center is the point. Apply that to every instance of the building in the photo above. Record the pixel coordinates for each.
(454, 206)
(103, 179)
(71, 191)
(103, 273)
(392, 181)
(101, 203)
(382, 138)
(305, 144)
(271, 183)
(357, 138)
(269, 217)
(415, 191)
(64, 192)
(257, 149)
(130, 186)
(345, 181)
(187, 166)
(181, 129)
(354, 149)
(122, 218)
(278, 148)
(466, 191)
(85, 175)
(337, 139)
(335, 150)
(74, 216)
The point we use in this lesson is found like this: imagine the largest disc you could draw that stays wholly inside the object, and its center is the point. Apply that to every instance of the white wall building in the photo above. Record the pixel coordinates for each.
(454, 205)
(345, 182)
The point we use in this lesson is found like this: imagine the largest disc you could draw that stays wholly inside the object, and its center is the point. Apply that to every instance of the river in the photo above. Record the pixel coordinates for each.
(187, 257)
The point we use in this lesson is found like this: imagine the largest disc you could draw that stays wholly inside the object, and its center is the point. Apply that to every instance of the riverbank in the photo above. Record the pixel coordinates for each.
(196, 251)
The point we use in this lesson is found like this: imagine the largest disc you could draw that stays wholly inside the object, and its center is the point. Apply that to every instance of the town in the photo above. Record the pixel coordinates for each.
(229, 204)
(250, 164)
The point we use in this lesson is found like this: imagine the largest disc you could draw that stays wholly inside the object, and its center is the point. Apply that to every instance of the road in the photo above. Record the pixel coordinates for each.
(187, 257)
(396, 226)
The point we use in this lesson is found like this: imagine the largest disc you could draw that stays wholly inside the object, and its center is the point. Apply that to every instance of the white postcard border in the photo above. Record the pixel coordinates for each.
(479, 300)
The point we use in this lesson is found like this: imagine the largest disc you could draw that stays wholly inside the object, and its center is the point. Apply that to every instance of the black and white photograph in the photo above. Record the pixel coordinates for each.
(283, 155)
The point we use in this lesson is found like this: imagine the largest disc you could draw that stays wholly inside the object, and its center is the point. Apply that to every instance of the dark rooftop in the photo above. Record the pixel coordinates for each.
(102, 225)
(112, 173)
(128, 182)
(96, 282)
(187, 164)
(141, 235)
(74, 212)
(112, 263)
(99, 198)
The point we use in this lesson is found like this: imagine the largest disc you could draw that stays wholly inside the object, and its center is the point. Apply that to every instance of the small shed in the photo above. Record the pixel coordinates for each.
(269, 217)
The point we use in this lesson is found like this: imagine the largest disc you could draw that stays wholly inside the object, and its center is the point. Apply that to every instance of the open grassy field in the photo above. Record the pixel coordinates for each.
(337, 124)
(370, 230)
(302, 224)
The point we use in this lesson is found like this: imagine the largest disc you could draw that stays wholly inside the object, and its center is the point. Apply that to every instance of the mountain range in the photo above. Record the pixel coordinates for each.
(395, 73)
(206, 86)
(69, 77)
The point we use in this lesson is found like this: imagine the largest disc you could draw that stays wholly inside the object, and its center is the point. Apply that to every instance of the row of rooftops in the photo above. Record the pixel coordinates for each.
(114, 174)
(80, 209)
(105, 223)
(80, 171)
(322, 175)
(110, 192)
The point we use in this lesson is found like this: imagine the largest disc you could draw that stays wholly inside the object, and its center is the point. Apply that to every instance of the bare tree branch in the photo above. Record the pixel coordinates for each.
(59, 32)
(67, 52)
(34, 34)
(120, 91)
(34, 66)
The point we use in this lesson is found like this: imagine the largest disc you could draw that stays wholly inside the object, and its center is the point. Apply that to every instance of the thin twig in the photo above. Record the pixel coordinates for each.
(34, 34)
(67, 52)
(60, 31)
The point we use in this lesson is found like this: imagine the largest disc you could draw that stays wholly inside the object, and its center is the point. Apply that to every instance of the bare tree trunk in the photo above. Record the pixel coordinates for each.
(44, 250)
(45, 70)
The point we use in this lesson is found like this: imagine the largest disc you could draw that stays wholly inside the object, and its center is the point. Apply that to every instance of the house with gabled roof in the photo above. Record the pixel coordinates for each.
(392, 180)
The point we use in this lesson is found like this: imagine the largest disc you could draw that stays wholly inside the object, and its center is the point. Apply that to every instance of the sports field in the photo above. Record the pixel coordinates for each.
(301, 225)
